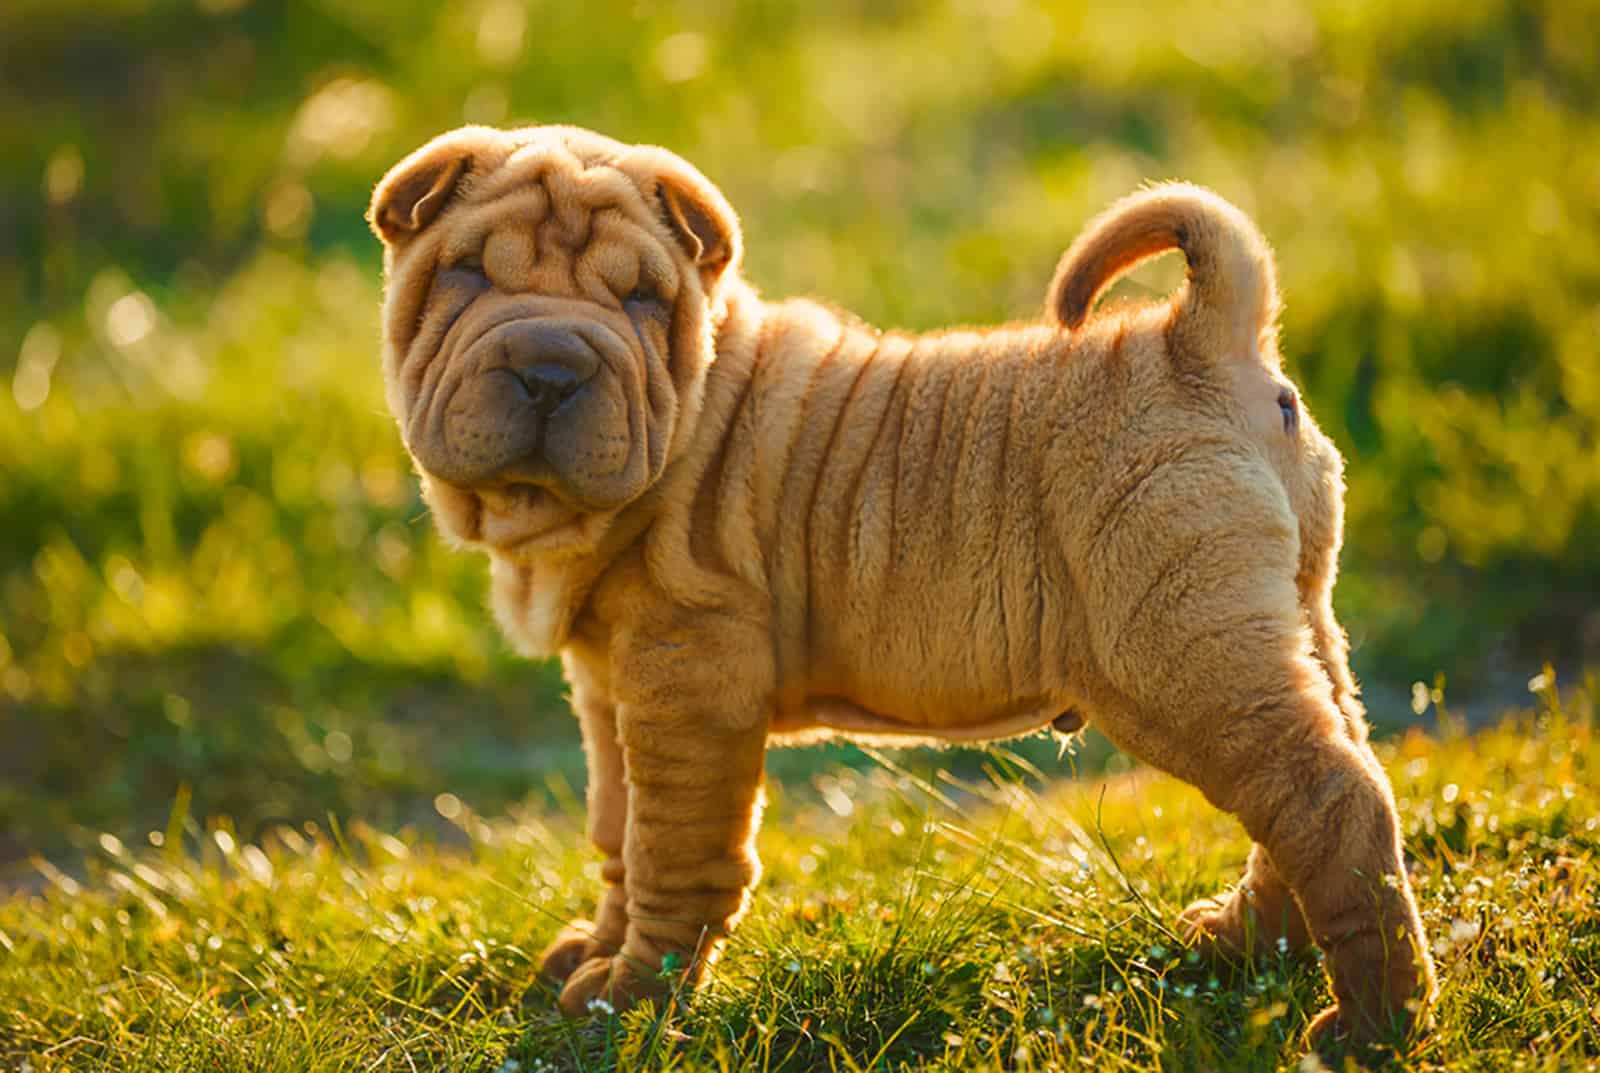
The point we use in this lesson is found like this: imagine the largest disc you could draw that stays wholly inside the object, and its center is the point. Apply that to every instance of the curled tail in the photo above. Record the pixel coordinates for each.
(1231, 295)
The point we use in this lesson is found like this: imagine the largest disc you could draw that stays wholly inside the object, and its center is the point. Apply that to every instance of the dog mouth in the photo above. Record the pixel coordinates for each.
(517, 514)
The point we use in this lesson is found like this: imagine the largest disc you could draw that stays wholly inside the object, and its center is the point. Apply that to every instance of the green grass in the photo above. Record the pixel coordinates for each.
(992, 923)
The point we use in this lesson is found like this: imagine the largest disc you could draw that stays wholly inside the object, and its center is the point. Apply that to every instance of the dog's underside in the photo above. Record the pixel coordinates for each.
(768, 521)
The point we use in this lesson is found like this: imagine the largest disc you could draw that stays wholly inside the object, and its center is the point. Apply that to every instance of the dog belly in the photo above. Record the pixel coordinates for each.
(834, 715)
(829, 715)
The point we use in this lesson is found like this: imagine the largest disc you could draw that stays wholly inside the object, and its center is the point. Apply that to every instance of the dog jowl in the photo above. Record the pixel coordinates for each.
(740, 521)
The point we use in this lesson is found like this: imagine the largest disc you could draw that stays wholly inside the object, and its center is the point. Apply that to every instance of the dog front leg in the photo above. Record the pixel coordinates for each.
(694, 802)
(608, 803)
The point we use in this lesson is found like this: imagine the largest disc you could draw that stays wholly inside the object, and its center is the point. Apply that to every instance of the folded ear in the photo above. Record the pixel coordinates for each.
(703, 221)
(417, 189)
(700, 218)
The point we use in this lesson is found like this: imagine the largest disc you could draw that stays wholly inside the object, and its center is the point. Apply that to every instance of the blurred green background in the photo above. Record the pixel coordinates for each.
(219, 593)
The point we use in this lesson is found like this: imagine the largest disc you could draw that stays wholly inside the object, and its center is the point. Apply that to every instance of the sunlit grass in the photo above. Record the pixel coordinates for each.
(949, 924)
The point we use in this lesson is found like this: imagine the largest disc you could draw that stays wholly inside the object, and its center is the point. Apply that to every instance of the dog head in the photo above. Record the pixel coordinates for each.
(547, 324)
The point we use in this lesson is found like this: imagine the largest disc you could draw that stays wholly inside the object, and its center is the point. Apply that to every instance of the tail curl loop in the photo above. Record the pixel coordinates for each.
(1231, 295)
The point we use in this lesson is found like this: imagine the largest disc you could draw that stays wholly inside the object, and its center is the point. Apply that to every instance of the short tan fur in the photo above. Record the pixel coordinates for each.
(757, 521)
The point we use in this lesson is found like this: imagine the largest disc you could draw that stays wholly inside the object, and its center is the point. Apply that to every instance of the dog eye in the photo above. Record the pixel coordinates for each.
(1289, 406)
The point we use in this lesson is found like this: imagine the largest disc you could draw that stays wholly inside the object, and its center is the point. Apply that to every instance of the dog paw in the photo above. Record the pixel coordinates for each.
(576, 943)
(1214, 928)
(1230, 929)
(1336, 1033)
(610, 985)
(1333, 1036)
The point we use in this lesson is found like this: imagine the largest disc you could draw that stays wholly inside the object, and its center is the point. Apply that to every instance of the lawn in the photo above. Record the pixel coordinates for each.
(906, 922)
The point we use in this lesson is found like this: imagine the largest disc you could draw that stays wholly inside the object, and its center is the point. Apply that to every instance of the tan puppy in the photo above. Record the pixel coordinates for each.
(740, 521)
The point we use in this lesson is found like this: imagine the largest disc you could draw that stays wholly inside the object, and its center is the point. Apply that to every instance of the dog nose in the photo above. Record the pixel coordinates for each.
(548, 384)
(551, 362)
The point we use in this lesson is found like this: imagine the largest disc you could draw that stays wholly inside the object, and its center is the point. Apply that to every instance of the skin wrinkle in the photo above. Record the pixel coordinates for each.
(705, 546)
(742, 417)
(1127, 493)
(732, 526)
(430, 412)
(1099, 517)
(790, 567)
(668, 555)
(938, 428)
(746, 415)
(703, 542)
(857, 496)
(1168, 576)
(424, 360)
(662, 400)
(1031, 571)
(1003, 575)
(896, 561)
(968, 419)
(815, 491)
(421, 356)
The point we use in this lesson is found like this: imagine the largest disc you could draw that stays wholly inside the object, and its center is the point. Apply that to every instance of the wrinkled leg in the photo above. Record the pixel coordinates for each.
(1325, 820)
(1332, 650)
(1214, 676)
(1260, 914)
(607, 801)
(694, 803)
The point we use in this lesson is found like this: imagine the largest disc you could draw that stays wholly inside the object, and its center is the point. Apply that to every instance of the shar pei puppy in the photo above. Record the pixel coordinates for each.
(740, 522)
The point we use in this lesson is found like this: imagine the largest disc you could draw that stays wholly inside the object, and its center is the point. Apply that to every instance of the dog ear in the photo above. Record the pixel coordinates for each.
(1231, 295)
(702, 221)
(416, 190)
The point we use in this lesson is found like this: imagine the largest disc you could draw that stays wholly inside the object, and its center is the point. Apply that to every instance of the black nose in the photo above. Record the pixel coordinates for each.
(548, 384)
(550, 360)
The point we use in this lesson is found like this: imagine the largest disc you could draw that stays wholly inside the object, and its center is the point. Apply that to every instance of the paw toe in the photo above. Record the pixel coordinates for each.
(583, 986)
(607, 985)
(1206, 926)
(575, 944)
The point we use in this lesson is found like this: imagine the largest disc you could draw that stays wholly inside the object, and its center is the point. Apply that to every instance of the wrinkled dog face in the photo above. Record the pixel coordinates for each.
(546, 324)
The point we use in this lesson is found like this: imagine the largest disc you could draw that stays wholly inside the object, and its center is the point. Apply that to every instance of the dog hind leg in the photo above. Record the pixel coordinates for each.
(1260, 914)
(1324, 821)
(1213, 677)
